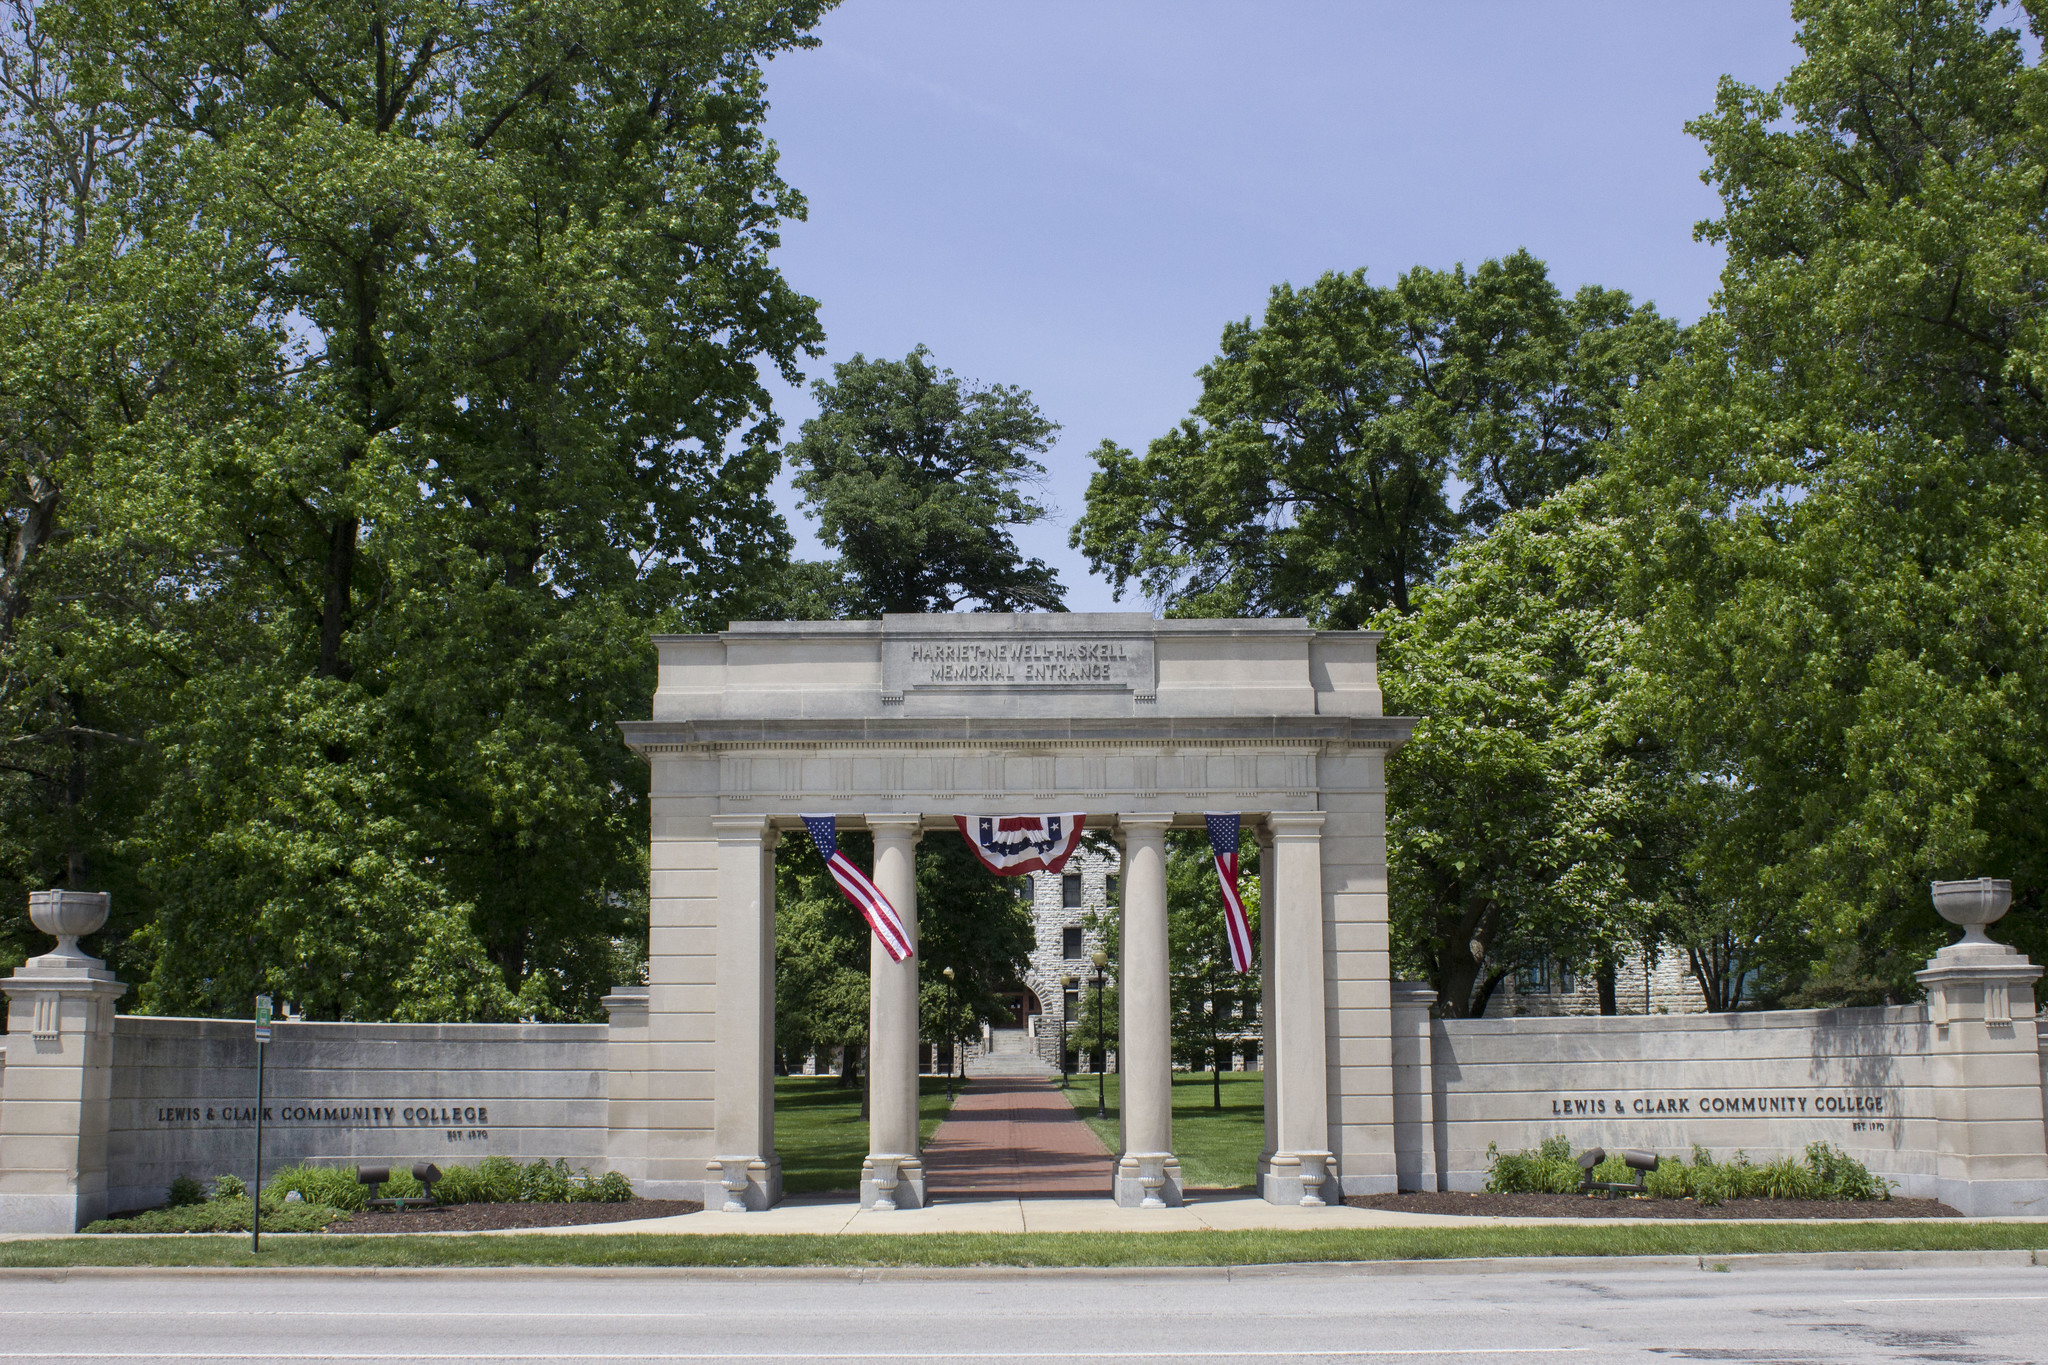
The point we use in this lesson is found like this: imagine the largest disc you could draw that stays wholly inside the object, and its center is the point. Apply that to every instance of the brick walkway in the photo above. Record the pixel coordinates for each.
(1012, 1137)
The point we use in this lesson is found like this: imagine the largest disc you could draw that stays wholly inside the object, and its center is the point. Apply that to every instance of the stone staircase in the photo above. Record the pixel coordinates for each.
(1011, 1052)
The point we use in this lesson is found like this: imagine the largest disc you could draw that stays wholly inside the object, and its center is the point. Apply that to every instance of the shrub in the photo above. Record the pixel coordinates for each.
(1710, 1184)
(496, 1180)
(1668, 1181)
(541, 1183)
(1550, 1169)
(502, 1178)
(228, 1186)
(185, 1191)
(231, 1214)
(461, 1185)
(1787, 1179)
(1837, 1175)
(334, 1186)
(613, 1188)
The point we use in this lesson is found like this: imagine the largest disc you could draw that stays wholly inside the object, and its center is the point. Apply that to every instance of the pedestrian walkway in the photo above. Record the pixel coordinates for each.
(1015, 1137)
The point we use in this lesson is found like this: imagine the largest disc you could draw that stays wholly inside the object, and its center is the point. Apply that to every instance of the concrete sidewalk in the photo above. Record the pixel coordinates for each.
(1228, 1211)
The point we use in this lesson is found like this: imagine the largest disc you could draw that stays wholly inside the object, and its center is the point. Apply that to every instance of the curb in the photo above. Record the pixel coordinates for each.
(1288, 1270)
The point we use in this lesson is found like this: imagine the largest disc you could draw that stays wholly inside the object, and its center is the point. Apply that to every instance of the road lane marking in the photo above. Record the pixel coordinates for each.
(1333, 1354)
(352, 1314)
(1955, 1298)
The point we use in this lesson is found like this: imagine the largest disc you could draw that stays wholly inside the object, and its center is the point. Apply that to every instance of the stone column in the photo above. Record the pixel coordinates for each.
(1414, 1087)
(1298, 1170)
(1991, 1153)
(743, 1115)
(59, 1079)
(892, 1177)
(1269, 1074)
(1147, 1174)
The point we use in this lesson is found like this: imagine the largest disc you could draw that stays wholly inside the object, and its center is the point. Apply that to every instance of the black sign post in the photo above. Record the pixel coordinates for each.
(256, 1189)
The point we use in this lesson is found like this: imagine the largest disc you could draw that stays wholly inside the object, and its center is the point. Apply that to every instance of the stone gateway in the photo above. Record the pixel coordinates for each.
(902, 724)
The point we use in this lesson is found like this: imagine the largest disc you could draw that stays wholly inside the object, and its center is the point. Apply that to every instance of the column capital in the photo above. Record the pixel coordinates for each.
(1145, 825)
(1295, 824)
(733, 829)
(898, 824)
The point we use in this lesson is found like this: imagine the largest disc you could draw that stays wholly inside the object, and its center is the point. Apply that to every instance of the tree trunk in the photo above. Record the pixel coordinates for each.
(336, 604)
(1604, 974)
(35, 531)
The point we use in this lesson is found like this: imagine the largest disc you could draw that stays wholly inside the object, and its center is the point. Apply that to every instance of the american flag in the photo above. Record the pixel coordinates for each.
(855, 886)
(1223, 843)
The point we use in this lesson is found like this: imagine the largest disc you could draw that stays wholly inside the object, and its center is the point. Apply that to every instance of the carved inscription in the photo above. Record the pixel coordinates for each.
(991, 662)
(1696, 1104)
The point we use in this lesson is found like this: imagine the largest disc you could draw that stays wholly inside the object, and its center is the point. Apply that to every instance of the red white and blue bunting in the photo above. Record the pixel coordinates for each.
(1011, 845)
(855, 886)
(1223, 830)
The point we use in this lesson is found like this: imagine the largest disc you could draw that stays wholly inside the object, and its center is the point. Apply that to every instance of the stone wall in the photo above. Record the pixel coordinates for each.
(184, 1097)
(1766, 1083)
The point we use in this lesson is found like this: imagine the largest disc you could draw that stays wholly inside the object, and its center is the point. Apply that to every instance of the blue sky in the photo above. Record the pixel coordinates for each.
(1076, 197)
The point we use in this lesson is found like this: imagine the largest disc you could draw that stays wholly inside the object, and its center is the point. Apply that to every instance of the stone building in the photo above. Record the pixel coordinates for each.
(1662, 985)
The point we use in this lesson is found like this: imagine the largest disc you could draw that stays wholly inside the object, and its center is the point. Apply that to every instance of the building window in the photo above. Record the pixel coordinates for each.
(1070, 891)
(1109, 888)
(1545, 978)
(1027, 888)
(1070, 943)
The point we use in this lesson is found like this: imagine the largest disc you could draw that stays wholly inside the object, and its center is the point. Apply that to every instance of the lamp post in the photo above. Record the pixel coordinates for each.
(1101, 960)
(1067, 983)
(951, 1005)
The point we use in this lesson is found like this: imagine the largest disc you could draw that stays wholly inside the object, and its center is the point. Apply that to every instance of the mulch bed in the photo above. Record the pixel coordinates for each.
(1597, 1206)
(491, 1217)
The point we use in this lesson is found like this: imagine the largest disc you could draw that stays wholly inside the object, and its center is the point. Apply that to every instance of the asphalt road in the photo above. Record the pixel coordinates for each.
(1778, 1317)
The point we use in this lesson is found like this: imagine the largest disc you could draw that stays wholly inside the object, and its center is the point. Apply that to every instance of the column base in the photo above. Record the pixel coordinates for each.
(47, 1212)
(1147, 1180)
(743, 1184)
(1993, 1198)
(890, 1181)
(1306, 1179)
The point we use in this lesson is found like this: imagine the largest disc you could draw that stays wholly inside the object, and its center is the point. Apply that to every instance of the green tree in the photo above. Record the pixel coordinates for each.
(501, 288)
(919, 479)
(1846, 533)
(1213, 1003)
(1313, 477)
(967, 920)
(1519, 813)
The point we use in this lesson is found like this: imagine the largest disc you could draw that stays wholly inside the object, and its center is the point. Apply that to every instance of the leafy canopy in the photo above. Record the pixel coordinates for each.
(918, 478)
(1314, 477)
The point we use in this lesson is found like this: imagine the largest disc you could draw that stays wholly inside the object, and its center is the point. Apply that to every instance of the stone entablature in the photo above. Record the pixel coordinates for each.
(846, 670)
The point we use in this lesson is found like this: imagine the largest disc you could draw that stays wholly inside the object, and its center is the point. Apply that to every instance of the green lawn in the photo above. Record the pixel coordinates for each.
(980, 1249)
(821, 1136)
(1215, 1147)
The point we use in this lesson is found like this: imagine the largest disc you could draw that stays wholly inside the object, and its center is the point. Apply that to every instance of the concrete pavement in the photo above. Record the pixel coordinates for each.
(1584, 1313)
(1230, 1210)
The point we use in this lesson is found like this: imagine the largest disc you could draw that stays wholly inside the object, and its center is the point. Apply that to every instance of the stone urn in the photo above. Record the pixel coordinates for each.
(1972, 904)
(68, 916)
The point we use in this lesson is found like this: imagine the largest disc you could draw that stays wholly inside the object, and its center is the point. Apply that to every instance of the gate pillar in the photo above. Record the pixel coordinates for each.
(743, 1115)
(1297, 1169)
(1147, 1173)
(892, 1177)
